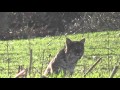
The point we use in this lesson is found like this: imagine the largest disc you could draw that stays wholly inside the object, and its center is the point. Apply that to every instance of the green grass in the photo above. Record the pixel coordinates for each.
(98, 44)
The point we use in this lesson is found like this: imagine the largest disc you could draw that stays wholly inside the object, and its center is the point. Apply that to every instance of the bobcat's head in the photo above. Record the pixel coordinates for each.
(75, 48)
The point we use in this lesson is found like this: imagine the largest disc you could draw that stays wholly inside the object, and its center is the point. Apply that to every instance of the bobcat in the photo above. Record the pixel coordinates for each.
(67, 58)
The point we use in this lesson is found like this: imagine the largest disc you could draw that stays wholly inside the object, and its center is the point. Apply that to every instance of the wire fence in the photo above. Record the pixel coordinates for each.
(35, 56)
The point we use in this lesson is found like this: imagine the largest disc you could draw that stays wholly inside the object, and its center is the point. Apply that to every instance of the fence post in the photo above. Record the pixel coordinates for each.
(30, 65)
(114, 71)
(92, 66)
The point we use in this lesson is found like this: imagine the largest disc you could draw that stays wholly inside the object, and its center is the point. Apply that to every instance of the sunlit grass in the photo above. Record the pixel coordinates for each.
(98, 44)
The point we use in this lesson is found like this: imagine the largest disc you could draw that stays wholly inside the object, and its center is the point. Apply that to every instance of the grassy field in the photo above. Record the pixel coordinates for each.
(103, 45)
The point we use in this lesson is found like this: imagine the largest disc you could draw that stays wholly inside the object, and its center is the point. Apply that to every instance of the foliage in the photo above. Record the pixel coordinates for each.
(17, 25)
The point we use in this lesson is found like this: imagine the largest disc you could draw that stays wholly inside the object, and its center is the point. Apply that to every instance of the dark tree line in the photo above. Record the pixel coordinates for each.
(17, 25)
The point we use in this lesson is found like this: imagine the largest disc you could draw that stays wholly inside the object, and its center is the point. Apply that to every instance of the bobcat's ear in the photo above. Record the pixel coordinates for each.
(68, 41)
(83, 40)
